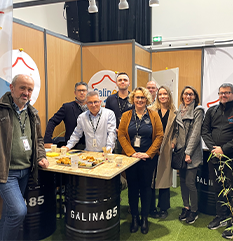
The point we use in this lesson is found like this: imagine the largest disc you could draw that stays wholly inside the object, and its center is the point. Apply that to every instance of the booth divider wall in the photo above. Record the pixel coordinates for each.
(63, 71)
(142, 59)
(189, 63)
(115, 56)
(32, 42)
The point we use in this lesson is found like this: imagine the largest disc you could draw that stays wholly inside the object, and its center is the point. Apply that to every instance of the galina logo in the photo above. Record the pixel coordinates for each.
(104, 82)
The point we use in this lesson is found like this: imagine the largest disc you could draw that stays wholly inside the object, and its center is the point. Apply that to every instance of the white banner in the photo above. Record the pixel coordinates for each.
(104, 82)
(218, 69)
(6, 19)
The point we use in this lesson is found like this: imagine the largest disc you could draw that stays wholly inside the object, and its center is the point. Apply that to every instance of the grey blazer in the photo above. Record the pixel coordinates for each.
(189, 126)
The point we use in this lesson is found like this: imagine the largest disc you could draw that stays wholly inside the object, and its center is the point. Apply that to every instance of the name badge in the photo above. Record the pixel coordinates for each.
(137, 141)
(94, 143)
(26, 144)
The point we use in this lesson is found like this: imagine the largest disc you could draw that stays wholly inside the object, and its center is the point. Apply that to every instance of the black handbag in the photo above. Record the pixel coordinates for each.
(178, 156)
(178, 159)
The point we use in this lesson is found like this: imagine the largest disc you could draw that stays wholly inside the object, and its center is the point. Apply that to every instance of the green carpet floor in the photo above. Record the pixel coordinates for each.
(170, 229)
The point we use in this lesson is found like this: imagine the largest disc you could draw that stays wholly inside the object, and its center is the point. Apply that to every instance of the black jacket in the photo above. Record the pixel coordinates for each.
(217, 129)
(112, 104)
(68, 113)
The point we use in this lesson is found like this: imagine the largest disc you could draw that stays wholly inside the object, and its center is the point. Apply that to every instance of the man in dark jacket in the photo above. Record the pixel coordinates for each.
(21, 150)
(119, 103)
(69, 113)
(217, 133)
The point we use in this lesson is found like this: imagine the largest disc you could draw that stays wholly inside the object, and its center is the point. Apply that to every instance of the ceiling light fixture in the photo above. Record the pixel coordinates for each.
(92, 7)
(153, 3)
(123, 4)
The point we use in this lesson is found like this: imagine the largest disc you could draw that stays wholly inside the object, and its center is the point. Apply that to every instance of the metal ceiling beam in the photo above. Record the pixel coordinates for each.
(37, 3)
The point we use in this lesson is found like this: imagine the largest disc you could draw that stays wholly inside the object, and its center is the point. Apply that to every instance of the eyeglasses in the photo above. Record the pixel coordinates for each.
(190, 94)
(140, 97)
(81, 90)
(224, 93)
(93, 103)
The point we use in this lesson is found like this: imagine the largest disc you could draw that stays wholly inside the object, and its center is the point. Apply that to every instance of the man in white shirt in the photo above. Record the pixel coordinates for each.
(98, 125)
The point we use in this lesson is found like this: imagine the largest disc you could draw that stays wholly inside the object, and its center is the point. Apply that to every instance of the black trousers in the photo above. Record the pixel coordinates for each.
(139, 178)
(163, 199)
(214, 173)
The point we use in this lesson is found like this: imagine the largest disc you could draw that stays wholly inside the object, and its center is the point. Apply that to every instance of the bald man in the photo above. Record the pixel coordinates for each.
(21, 150)
(151, 86)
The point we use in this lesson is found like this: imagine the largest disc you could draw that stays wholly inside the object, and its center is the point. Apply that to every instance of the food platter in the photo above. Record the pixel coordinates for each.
(83, 162)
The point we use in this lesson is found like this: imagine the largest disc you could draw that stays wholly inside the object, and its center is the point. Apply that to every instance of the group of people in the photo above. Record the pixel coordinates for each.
(143, 124)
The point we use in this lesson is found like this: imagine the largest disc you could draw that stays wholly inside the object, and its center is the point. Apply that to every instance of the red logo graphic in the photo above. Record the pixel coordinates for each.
(105, 76)
(213, 102)
(1, 12)
(16, 62)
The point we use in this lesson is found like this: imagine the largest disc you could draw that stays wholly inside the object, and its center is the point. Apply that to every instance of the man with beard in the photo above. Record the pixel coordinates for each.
(21, 151)
(217, 133)
(119, 103)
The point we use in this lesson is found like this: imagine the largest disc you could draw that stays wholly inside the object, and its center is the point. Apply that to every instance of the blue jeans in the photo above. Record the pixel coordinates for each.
(14, 208)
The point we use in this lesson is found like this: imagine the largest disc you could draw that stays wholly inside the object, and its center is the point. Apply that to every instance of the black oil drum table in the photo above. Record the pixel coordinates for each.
(40, 221)
(205, 189)
(93, 198)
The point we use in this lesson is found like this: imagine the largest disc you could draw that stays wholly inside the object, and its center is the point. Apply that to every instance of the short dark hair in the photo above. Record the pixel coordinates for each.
(194, 91)
(80, 83)
(225, 85)
(121, 73)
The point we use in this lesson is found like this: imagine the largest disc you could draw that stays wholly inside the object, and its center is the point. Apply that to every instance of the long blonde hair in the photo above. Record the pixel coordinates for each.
(157, 104)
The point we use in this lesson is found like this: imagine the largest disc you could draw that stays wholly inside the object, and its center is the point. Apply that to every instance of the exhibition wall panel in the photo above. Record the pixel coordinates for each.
(64, 70)
(115, 57)
(189, 63)
(142, 57)
(32, 42)
(142, 78)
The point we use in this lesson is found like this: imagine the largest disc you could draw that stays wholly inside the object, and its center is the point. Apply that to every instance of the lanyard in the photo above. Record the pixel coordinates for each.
(22, 126)
(140, 120)
(95, 128)
(119, 104)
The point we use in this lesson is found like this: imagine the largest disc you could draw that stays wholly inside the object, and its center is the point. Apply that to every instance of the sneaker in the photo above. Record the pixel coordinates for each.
(184, 214)
(228, 232)
(217, 223)
(192, 217)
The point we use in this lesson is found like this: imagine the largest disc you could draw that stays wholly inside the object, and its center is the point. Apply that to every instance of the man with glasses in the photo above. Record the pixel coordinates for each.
(119, 103)
(151, 86)
(68, 113)
(98, 125)
(217, 133)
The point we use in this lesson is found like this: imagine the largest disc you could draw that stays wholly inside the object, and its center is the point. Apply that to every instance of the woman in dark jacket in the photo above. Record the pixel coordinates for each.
(140, 134)
(188, 133)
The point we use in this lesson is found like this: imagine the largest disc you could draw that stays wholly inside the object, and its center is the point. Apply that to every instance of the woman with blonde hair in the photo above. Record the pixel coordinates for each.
(162, 179)
(140, 134)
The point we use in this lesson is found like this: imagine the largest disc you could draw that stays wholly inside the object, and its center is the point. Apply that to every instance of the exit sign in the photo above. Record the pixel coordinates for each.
(157, 39)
